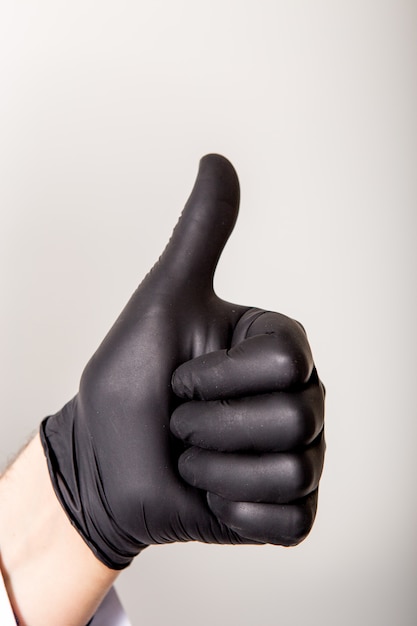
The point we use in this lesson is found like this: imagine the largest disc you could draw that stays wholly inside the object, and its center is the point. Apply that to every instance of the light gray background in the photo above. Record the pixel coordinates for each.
(105, 109)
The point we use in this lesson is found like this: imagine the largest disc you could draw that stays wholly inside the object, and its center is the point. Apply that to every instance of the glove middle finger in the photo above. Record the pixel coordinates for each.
(270, 422)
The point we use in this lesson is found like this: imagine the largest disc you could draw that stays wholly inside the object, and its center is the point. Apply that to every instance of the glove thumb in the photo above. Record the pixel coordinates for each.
(204, 226)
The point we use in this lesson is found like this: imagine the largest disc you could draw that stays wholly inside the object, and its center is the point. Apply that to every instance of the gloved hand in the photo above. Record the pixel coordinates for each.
(240, 384)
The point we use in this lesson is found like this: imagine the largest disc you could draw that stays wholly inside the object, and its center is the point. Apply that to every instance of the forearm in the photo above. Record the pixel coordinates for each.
(51, 575)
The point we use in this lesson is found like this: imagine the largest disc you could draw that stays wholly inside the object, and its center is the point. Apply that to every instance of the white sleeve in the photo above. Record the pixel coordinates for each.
(6, 613)
(110, 612)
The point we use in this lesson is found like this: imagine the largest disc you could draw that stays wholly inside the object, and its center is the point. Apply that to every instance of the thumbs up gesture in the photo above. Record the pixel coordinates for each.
(196, 419)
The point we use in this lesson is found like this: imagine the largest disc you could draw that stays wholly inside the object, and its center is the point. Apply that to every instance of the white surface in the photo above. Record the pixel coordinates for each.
(105, 109)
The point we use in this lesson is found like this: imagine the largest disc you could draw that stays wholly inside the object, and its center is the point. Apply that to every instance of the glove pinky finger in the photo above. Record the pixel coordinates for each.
(278, 524)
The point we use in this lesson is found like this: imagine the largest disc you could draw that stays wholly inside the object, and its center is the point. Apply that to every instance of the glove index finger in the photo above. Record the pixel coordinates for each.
(205, 224)
(272, 354)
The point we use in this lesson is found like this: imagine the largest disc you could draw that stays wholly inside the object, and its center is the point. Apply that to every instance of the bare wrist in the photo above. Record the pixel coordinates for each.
(45, 563)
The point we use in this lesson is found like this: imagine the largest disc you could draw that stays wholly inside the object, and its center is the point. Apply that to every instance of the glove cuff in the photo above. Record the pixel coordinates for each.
(76, 481)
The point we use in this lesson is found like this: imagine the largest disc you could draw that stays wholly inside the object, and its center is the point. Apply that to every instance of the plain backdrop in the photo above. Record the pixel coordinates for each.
(105, 109)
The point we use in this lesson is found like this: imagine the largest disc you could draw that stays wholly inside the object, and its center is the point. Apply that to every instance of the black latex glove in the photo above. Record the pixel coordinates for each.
(242, 390)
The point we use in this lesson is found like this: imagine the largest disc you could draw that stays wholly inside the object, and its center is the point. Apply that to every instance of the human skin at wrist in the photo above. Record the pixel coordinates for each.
(51, 575)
